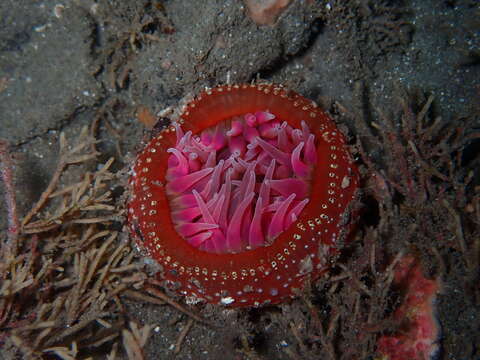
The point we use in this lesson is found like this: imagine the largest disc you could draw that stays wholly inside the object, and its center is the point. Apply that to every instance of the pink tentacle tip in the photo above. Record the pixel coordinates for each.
(277, 225)
(199, 239)
(234, 241)
(182, 163)
(236, 129)
(264, 116)
(185, 182)
(298, 166)
(189, 229)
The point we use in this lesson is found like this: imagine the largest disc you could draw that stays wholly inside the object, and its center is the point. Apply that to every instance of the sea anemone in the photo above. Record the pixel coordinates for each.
(245, 196)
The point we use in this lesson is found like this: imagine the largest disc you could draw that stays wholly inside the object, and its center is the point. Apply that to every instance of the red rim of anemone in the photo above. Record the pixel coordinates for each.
(266, 274)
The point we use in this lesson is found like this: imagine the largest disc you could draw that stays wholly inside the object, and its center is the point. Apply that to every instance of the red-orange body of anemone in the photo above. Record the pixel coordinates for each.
(281, 176)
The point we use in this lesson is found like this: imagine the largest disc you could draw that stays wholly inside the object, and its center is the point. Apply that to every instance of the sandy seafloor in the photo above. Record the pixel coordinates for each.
(61, 61)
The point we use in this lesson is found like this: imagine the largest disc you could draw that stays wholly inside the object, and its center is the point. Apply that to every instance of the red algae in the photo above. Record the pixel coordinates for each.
(246, 196)
(417, 339)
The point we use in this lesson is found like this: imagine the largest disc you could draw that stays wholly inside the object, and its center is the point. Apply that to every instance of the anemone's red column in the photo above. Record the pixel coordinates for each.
(246, 195)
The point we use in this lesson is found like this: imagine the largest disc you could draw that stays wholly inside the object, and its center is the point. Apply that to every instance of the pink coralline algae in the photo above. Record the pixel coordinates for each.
(417, 339)
(247, 195)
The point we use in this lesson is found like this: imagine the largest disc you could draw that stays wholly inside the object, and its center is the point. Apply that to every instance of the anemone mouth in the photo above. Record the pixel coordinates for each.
(238, 185)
